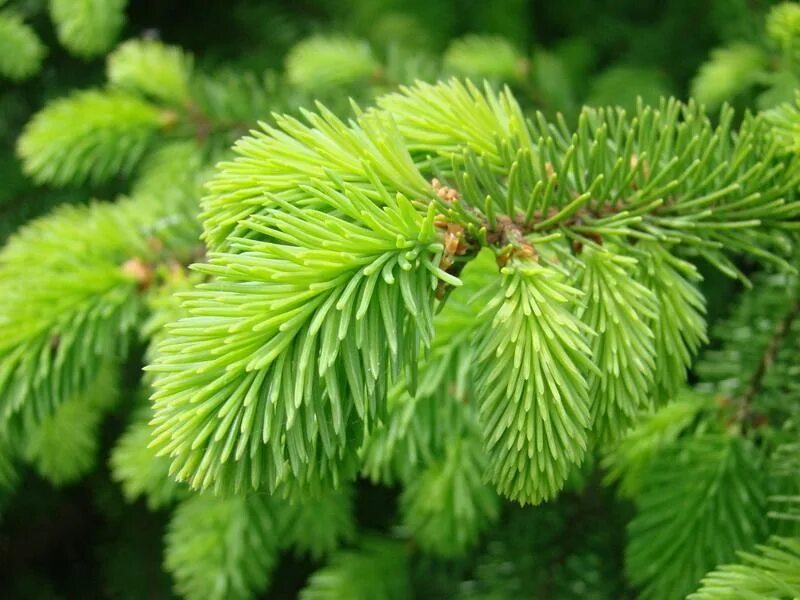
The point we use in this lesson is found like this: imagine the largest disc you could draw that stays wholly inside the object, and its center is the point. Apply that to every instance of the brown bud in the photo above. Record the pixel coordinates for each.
(139, 271)
(155, 244)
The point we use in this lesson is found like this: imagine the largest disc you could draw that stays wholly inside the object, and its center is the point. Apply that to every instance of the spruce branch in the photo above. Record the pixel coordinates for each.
(74, 286)
(771, 572)
(63, 447)
(419, 429)
(680, 326)
(378, 569)
(222, 548)
(629, 463)
(318, 526)
(339, 239)
(533, 355)
(139, 471)
(87, 28)
(448, 505)
(21, 50)
(334, 373)
(619, 311)
(154, 100)
(322, 63)
(89, 136)
(151, 68)
(63, 318)
(717, 481)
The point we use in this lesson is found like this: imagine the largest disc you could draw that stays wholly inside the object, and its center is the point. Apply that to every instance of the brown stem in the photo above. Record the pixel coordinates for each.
(203, 125)
(767, 358)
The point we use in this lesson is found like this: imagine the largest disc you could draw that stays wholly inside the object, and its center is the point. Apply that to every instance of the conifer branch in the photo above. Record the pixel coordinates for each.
(21, 50)
(309, 221)
(443, 291)
(87, 27)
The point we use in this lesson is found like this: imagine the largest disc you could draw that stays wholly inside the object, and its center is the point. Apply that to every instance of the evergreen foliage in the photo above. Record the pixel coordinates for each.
(56, 337)
(422, 291)
(152, 69)
(222, 547)
(771, 573)
(63, 447)
(765, 66)
(447, 506)
(89, 136)
(322, 63)
(630, 462)
(716, 458)
(376, 570)
(21, 50)
(139, 470)
(481, 57)
(318, 526)
(87, 27)
(325, 246)
(716, 481)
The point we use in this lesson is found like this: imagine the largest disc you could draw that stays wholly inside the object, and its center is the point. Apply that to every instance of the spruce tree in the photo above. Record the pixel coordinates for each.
(429, 280)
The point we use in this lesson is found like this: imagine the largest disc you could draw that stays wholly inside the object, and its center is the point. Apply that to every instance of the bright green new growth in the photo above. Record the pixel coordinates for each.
(87, 28)
(418, 430)
(21, 50)
(773, 573)
(323, 63)
(324, 369)
(89, 136)
(531, 385)
(619, 310)
(480, 57)
(431, 441)
(729, 72)
(783, 25)
(332, 243)
(680, 326)
(785, 121)
(151, 68)
(54, 339)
